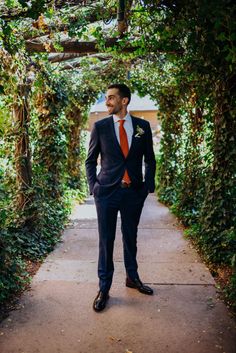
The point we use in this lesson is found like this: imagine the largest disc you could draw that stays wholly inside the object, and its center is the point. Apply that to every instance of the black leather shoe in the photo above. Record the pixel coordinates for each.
(100, 301)
(137, 284)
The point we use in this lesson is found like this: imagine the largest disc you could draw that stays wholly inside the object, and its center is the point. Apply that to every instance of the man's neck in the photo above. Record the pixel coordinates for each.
(121, 115)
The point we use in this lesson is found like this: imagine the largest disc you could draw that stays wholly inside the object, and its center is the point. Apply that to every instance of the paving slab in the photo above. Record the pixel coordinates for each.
(185, 314)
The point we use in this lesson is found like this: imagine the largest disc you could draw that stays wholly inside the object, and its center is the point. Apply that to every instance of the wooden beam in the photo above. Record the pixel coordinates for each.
(73, 46)
(87, 48)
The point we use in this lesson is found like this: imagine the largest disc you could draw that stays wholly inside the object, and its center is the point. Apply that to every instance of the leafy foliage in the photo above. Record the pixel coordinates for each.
(184, 58)
(196, 95)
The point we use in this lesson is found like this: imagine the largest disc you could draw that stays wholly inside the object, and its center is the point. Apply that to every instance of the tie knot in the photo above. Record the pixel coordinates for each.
(121, 122)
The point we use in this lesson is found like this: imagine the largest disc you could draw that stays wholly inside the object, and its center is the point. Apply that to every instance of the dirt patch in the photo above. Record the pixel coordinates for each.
(223, 276)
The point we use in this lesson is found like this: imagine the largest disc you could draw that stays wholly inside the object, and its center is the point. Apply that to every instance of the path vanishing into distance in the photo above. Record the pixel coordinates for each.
(184, 315)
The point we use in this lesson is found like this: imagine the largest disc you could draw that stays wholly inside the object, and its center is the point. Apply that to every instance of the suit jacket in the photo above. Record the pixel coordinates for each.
(103, 141)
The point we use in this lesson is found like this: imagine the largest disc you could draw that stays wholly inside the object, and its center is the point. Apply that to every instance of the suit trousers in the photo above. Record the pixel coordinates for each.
(129, 202)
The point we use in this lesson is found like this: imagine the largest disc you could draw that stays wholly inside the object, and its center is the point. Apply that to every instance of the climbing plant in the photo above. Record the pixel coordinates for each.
(202, 158)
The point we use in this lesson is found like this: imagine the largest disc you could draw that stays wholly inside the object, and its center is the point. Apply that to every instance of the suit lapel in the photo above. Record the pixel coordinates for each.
(113, 134)
(134, 123)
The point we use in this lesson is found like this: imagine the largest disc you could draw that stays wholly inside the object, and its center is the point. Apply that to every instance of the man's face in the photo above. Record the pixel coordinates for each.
(114, 102)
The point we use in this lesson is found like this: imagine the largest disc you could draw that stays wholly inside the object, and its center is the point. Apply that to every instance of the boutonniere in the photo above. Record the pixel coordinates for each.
(139, 131)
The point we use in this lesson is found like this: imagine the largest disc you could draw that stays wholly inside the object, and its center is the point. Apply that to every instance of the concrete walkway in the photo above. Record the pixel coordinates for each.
(183, 316)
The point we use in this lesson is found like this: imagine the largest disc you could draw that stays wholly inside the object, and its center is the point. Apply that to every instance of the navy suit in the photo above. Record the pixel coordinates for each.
(111, 198)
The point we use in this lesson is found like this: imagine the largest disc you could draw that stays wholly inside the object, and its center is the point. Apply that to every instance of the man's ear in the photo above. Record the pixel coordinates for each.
(125, 100)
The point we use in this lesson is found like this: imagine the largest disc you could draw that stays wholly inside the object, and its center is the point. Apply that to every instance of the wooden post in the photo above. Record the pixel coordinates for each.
(122, 25)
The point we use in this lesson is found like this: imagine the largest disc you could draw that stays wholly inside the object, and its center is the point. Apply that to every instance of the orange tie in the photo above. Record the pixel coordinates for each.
(124, 147)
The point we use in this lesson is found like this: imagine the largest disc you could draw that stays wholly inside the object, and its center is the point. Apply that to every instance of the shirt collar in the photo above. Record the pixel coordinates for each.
(117, 118)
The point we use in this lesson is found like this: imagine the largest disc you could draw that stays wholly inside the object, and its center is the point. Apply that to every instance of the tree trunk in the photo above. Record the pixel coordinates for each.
(50, 150)
(22, 147)
(74, 140)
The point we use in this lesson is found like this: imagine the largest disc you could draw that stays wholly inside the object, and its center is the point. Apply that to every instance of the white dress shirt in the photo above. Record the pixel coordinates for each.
(127, 125)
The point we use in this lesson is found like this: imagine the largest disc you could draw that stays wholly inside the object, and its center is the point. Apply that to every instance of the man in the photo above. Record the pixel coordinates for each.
(122, 141)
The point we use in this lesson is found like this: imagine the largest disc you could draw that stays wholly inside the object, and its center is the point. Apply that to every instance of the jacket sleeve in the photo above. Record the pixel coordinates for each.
(149, 161)
(91, 161)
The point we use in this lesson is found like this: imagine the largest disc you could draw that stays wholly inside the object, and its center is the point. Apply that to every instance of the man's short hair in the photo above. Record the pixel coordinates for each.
(124, 90)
